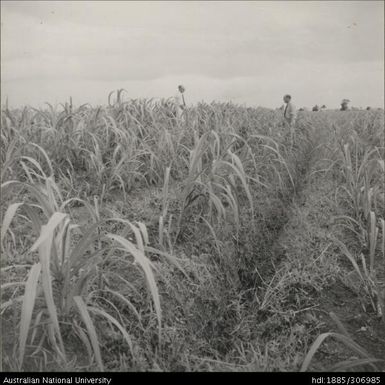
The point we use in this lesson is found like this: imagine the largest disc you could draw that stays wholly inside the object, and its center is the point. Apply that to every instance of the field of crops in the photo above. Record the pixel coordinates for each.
(133, 239)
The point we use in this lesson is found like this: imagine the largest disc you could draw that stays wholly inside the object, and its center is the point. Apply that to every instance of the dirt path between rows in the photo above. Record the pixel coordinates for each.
(306, 232)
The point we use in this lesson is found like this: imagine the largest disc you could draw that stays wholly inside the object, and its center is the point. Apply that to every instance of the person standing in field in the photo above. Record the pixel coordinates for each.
(315, 108)
(344, 105)
(180, 103)
(289, 115)
(289, 111)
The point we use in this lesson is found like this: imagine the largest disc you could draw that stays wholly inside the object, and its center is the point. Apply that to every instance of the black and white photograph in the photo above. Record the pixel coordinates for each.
(192, 186)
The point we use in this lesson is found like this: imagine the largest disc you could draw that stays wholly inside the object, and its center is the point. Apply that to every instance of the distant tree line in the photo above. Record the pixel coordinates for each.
(344, 107)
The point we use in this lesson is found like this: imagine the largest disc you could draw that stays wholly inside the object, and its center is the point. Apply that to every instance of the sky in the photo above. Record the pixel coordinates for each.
(248, 52)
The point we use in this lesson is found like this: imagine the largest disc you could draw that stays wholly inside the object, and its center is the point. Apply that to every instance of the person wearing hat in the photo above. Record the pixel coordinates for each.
(179, 101)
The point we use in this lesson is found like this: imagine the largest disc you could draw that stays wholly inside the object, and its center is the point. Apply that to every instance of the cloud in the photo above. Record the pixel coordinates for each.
(246, 51)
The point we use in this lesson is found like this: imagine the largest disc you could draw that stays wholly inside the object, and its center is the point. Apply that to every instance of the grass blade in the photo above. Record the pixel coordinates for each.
(82, 307)
(27, 308)
(8, 216)
(321, 338)
(116, 323)
(146, 265)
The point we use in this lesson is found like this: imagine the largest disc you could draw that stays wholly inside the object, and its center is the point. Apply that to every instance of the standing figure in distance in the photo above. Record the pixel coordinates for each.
(180, 103)
(289, 115)
(315, 108)
(289, 111)
(344, 105)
